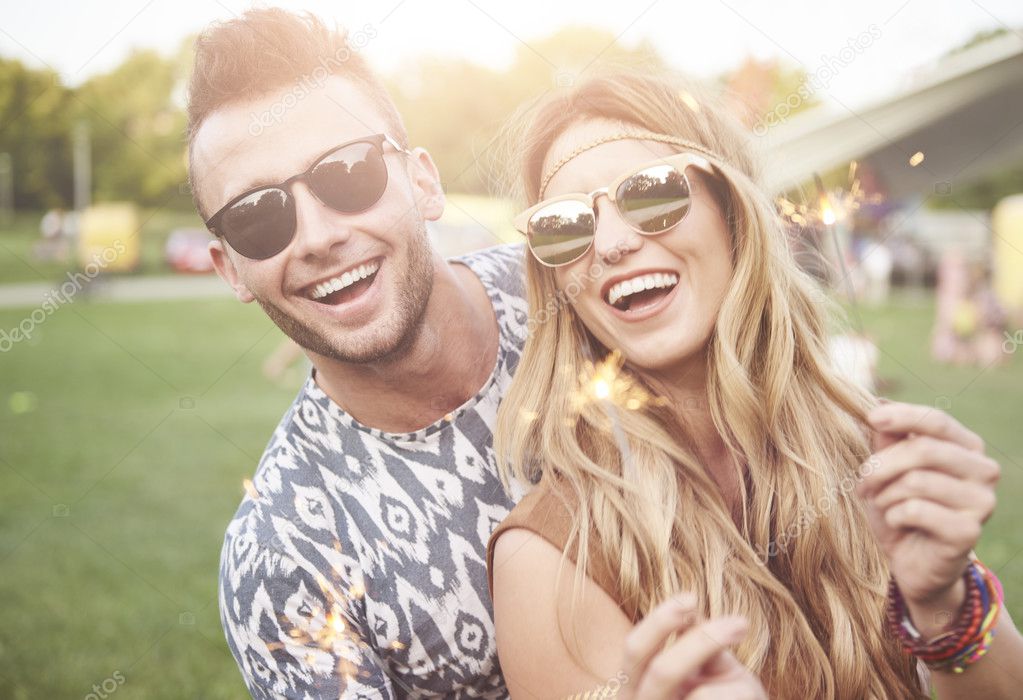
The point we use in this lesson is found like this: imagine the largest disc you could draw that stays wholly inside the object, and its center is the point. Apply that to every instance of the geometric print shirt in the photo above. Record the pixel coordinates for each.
(355, 566)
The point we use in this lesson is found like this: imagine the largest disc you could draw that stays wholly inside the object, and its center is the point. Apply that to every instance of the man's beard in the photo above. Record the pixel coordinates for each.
(398, 330)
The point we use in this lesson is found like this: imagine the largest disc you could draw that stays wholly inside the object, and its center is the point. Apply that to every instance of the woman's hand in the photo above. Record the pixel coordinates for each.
(696, 666)
(929, 488)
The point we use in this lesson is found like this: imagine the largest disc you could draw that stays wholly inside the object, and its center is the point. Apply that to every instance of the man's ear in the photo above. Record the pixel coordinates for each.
(224, 266)
(429, 191)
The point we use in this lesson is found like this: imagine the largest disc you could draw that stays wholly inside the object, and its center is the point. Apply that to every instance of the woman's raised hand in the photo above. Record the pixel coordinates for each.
(928, 488)
(697, 665)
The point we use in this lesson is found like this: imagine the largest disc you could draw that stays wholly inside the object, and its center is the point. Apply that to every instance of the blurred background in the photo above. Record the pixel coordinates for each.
(136, 395)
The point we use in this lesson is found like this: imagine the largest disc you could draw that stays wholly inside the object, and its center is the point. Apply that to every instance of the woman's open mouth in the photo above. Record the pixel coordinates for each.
(641, 293)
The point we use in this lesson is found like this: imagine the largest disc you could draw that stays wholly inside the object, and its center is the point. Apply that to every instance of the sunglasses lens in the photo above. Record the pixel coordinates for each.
(261, 225)
(654, 199)
(561, 232)
(351, 179)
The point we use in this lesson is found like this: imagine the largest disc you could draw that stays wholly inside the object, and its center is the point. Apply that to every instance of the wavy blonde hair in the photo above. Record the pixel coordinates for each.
(815, 605)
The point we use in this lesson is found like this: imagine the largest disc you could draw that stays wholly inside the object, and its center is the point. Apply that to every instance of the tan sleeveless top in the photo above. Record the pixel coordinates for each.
(546, 511)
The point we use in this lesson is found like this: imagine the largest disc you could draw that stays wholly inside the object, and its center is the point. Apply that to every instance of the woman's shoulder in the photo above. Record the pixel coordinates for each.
(531, 575)
(544, 519)
(545, 511)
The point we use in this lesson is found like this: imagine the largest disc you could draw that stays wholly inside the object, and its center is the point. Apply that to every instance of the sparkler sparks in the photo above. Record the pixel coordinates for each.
(326, 631)
(250, 489)
(833, 205)
(604, 381)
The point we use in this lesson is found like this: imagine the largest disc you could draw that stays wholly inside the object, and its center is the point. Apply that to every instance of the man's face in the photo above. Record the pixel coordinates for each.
(366, 321)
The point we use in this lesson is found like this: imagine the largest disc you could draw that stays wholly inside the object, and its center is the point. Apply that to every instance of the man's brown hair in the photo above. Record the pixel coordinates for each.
(265, 50)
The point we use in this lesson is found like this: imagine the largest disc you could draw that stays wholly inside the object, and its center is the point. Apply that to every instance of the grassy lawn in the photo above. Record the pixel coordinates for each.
(128, 428)
(127, 432)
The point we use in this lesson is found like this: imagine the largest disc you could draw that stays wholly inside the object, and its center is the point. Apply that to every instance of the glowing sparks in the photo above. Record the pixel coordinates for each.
(828, 215)
(250, 489)
(328, 630)
(335, 625)
(916, 159)
(605, 381)
(832, 206)
(690, 102)
(528, 416)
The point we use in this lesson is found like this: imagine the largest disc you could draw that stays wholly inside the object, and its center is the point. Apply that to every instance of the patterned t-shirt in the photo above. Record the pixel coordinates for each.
(355, 566)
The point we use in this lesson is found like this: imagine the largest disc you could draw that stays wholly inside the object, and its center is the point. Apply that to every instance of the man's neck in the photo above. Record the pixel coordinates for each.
(445, 365)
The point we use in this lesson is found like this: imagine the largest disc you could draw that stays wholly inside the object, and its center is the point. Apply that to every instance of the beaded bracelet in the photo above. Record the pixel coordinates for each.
(968, 638)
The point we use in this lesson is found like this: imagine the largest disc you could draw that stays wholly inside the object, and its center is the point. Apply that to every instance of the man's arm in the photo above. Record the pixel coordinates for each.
(296, 634)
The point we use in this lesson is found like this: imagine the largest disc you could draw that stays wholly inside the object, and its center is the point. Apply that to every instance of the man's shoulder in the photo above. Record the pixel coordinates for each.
(499, 267)
(289, 494)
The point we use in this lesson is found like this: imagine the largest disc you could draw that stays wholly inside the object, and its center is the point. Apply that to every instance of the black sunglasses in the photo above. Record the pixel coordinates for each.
(349, 178)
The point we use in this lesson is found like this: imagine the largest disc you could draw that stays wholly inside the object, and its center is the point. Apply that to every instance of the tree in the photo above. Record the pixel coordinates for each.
(137, 131)
(34, 130)
(458, 108)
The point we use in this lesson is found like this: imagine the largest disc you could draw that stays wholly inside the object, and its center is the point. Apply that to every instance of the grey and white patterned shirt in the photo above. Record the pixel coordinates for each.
(355, 566)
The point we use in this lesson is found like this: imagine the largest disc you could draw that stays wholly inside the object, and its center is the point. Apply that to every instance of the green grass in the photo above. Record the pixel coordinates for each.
(128, 428)
(18, 239)
(988, 401)
(126, 581)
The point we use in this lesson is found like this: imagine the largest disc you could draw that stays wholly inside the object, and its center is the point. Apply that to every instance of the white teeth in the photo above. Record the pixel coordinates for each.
(346, 279)
(640, 284)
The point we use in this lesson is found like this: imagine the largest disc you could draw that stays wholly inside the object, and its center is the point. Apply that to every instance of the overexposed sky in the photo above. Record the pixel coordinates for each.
(707, 37)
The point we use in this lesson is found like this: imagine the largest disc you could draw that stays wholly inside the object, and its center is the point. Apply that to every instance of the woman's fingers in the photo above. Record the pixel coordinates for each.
(676, 614)
(949, 526)
(737, 689)
(906, 419)
(672, 668)
(931, 453)
(970, 497)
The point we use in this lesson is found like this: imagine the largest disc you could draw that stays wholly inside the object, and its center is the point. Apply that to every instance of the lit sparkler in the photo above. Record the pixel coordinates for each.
(832, 205)
(604, 382)
(334, 635)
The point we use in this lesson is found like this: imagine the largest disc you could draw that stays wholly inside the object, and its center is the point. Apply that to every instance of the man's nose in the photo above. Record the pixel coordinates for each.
(318, 228)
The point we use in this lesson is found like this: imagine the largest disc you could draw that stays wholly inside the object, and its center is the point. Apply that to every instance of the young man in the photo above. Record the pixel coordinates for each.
(355, 566)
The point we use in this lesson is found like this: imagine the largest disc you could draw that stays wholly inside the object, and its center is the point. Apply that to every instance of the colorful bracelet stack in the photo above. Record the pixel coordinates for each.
(968, 638)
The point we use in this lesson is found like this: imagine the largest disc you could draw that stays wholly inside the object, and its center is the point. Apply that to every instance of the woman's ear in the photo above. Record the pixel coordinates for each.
(428, 189)
(224, 266)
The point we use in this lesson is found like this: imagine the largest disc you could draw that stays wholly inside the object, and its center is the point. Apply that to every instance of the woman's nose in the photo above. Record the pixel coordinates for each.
(613, 238)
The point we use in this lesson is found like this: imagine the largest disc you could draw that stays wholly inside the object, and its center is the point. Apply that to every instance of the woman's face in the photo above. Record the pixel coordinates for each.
(667, 326)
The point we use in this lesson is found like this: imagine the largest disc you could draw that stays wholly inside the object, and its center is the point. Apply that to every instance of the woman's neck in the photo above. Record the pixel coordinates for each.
(687, 393)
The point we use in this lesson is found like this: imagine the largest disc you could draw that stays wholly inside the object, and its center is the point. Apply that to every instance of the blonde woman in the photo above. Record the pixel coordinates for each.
(766, 528)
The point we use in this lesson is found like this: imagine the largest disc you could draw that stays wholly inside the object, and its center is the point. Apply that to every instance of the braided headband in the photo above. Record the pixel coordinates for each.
(619, 136)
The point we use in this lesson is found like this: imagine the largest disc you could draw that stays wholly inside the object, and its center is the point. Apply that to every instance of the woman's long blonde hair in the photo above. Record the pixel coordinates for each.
(802, 566)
